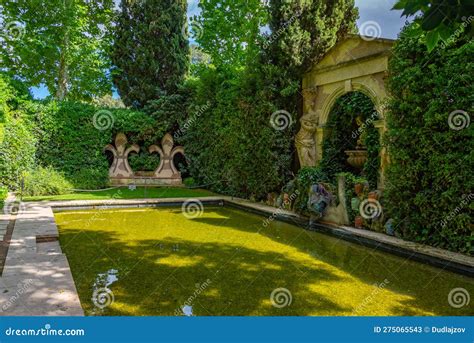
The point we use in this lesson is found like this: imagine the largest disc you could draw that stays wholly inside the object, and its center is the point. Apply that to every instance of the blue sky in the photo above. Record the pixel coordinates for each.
(375, 17)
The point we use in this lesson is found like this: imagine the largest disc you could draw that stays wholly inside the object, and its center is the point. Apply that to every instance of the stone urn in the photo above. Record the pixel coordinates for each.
(357, 158)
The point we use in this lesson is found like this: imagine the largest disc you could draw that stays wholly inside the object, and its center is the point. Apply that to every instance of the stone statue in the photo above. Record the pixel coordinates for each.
(305, 141)
(120, 167)
(167, 169)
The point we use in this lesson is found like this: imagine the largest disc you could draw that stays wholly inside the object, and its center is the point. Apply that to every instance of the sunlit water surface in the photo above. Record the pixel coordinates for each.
(227, 262)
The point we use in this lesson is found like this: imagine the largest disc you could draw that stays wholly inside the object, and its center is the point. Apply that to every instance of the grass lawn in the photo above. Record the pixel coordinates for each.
(226, 262)
(125, 193)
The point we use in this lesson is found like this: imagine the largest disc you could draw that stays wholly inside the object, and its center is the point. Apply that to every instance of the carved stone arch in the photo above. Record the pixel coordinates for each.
(355, 64)
(341, 91)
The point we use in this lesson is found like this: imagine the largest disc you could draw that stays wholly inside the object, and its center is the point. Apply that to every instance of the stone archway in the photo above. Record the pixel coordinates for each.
(354, 64)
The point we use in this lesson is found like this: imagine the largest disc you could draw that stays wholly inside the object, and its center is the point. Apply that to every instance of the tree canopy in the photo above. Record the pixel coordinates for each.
(229, 30)
(61, 44)
(439, 20)
(303, 31)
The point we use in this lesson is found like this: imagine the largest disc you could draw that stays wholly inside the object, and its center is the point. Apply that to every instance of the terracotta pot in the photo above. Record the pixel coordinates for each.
(359, 222)
(358, 188)
(373, 196)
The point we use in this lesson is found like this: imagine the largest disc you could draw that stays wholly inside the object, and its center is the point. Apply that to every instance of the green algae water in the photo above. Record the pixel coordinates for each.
(156, 261)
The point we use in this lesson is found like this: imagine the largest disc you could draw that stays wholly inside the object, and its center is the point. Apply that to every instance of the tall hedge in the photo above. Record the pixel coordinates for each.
(66, 137)
(229, 140)
(17, 139)
(429, 185)
(72, 137)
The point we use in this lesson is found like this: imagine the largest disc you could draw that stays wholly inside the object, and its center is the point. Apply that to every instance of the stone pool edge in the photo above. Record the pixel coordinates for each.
(454, 262)
(36, 278)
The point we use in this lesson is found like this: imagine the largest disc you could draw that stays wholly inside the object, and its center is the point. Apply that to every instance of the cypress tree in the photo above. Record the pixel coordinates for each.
(304, 30)
(150, 52)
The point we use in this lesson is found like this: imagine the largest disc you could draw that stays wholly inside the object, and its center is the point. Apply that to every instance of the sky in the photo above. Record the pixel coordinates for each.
(376, 19)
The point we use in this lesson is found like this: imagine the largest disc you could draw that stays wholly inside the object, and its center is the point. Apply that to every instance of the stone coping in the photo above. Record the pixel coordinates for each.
(36, 278)
(455, 262)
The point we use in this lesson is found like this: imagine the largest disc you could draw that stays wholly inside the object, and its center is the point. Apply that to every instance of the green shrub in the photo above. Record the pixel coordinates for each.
(3, 193)
(189, 182)
(45, 181)
(17, 151)
(350, 181)
(229, 141)
(144, 161)
(431, 158)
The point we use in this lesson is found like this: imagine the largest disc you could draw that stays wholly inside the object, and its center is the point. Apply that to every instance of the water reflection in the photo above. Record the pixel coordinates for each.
(104, 280)
(187, 310)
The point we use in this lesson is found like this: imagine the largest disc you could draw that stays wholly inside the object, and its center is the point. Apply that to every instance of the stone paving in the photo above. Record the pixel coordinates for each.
(36, 279)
